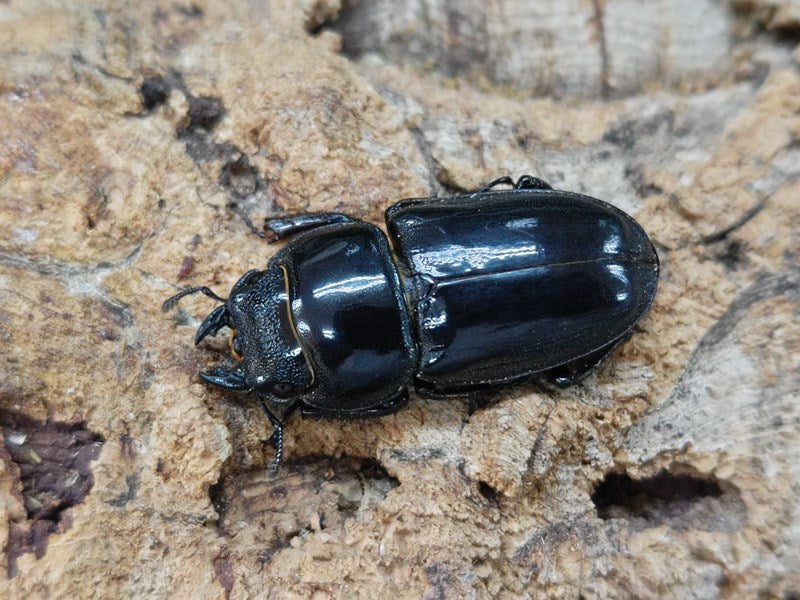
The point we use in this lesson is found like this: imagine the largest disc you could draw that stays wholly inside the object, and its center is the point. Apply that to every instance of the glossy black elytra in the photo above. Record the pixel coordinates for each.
(483, 289)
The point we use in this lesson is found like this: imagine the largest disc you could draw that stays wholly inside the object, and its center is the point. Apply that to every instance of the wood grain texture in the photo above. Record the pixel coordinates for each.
(559, 48)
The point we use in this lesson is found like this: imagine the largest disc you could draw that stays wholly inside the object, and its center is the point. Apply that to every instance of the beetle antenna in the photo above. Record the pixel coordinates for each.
(276, 438)
(172, 301)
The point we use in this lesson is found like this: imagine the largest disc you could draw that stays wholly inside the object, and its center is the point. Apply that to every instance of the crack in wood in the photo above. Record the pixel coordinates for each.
(599, 24)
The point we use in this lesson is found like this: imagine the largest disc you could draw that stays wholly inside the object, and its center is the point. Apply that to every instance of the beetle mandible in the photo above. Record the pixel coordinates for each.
(482, 289)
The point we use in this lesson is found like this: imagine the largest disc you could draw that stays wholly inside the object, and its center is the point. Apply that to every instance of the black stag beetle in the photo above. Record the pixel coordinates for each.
(478, 290)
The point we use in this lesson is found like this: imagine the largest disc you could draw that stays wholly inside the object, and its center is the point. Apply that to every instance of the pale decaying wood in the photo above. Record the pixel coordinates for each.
(672, 471)
(566, 48)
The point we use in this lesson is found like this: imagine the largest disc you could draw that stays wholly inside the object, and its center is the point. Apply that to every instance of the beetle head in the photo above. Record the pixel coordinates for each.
(264, 342)
(272, 362)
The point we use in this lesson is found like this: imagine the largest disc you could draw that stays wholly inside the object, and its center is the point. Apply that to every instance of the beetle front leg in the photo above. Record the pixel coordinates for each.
(278, 228)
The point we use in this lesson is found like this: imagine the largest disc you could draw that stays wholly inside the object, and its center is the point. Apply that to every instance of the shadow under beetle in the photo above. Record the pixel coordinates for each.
(483, 289)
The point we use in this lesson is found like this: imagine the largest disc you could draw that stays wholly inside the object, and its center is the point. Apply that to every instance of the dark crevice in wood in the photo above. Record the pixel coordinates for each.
(679, 499)
(599, 24)
(52, 465)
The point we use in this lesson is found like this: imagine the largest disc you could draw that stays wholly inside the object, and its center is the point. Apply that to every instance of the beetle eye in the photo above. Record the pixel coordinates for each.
(283, 389)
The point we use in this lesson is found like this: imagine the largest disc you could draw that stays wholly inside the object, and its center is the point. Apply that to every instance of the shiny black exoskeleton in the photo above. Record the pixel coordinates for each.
(483, 289)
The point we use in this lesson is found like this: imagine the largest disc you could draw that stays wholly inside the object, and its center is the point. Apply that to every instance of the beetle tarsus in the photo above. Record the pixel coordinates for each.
(170, 303)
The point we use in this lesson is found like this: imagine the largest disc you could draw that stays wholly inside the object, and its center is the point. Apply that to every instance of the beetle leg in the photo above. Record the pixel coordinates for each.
(525, 182)
(387, 408)
(477, 397)
(480, 399)
(278, 228)
(231, 380)
(506, 180)
(528, 182)
(212, 324)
